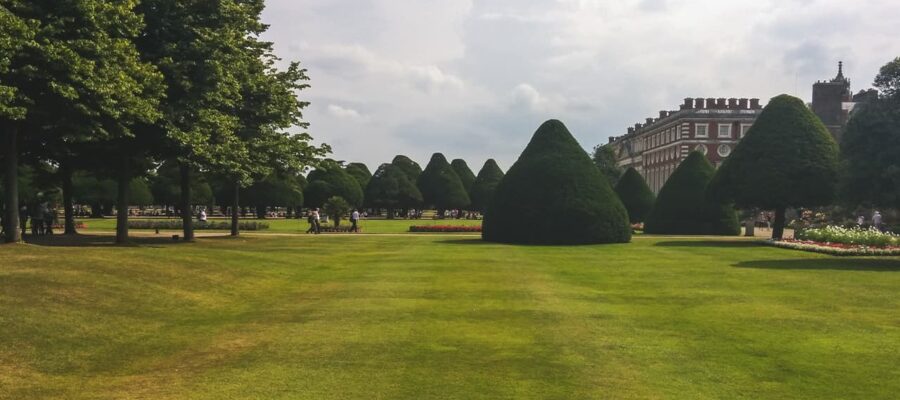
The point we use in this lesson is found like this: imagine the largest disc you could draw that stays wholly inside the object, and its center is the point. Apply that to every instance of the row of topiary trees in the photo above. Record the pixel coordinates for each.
(555, 194)
(402, 184)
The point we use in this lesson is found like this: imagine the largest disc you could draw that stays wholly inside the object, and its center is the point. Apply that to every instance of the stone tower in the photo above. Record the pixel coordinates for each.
(828, 101)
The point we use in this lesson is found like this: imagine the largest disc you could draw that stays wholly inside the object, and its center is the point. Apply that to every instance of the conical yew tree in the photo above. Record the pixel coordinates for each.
(683, 208)
(788, 159)
(485, 185)
(441, 187)
(554, 194)
(635, 195)
(466, 176)
(409, 167)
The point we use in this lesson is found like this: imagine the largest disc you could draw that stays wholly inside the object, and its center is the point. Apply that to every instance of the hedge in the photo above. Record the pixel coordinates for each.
(175, 224)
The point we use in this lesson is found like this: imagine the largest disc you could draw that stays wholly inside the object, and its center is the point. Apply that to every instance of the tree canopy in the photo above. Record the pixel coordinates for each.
(329, 180)
(390, 188)
(485, 185)
(870, 147)
(360, 172)
(683, 207)
(408, 166)
(605, 159)
(441, 187)
(888, 79)
(466, 176)
(554, 194)
(635, 195)
(787, 159)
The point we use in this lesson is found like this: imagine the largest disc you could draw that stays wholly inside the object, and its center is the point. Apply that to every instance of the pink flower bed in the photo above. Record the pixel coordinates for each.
(836, 249)
(446, 228)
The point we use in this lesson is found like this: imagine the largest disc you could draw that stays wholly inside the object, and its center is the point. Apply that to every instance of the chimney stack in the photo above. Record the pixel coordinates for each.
(688, 103)
(649, 122)
(732, 103)
(630, 130)
(710, 103)
(663, 114)
(637, 126)
(754, 104)
(699, 102)
(742, 104)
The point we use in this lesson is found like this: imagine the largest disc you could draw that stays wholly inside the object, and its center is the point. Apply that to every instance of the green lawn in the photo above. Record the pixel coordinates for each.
(300, 225)
(444, 317)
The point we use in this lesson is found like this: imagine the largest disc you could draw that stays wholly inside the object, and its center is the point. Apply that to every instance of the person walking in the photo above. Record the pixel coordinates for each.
(860, 220)
(37, 220)
(23, 219)
(354, 221)
(876, 220)
(317, 221)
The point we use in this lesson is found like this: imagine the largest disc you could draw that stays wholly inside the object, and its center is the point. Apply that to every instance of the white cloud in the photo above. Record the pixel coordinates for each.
(343, 112)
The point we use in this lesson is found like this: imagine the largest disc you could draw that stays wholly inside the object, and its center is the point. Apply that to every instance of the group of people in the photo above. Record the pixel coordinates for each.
(42, 217)
(315, 221)
(877, 221)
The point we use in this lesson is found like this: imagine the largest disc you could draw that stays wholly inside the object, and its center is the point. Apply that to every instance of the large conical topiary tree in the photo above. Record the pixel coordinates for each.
(466, 176)
(441, 187)
(554, 194)
(635, 195)
(360, 172)
(787, 159)
(409, 167)
(485, 185)
(390, 188)
(683, 207)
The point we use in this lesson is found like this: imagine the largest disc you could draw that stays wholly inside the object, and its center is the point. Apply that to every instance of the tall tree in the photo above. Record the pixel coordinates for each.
(329, 180)
(441, 187)
(16, 35)
(870, 147)
(888, 80)
(390, 189)
(485, 185)
(360, 172)
(605, 159)
(787, 159)
(409, 167)
(466, 176)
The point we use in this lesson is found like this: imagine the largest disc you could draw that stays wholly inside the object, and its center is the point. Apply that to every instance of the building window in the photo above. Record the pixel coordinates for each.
(725, 131)
(744, 129)
(724, 150)
(701, 130)
(701, 148)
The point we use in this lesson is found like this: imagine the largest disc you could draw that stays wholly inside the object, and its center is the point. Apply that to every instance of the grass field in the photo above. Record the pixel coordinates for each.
(300, 225)
(444, 317)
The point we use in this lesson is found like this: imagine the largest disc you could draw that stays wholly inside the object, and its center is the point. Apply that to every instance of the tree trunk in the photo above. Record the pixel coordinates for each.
(122, 207)
(235, 206)
(778, 228)
(13, 234)
(68, 208)
(390, 213)
(187, 216)
(260, 212)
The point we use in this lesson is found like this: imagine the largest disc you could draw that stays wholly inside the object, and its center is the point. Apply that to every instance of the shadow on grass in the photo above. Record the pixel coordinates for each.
(90, 240)
(464, 241)
(835, 263)
(710, 243)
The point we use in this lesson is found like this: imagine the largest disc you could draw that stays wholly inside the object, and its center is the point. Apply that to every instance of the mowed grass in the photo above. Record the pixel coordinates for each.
(445, 317)
(300, 225)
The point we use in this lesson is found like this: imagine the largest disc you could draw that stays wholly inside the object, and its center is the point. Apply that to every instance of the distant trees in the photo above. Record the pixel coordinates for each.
(683, 207)
(441, 187)
(554, 194)
(360, 172)
(408, 166)
(485, 185)
(888, 80)
(329, 180)
(636, 196)
(787, 159)
(390, 188)
(604, 158)
(466, 176)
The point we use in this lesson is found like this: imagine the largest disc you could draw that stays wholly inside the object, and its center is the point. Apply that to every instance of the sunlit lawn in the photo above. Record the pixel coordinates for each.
(444, 317)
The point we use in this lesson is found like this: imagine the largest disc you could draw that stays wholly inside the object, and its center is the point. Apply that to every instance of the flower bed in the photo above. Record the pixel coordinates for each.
(855, 236)
(339, 229)
(446, 228)
(209, 225)
(836, 249)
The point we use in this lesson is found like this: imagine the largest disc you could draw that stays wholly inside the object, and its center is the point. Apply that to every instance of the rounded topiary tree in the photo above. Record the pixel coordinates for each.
(554, 194)
(331, 180)
(390, 188)
(360, 172)
(635, 195)
(409, 167)
(485, 185)
(466, 176)
(441, 187)
(787, 159)
(683, 207)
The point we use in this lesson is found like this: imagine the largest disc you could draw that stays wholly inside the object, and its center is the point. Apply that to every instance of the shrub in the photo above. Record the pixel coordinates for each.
(485, 185)
(175, 224)
(635, 195)
(336, 208)
(554, 194)
(683, 208)
(871, 237)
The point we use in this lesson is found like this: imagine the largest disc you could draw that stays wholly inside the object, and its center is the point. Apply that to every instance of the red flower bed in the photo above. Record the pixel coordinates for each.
(446, 228)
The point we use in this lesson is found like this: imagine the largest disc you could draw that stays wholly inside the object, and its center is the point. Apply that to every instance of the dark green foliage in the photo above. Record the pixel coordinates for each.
(441, 187)
(336, 208)
(605, 159)
(360, 172)
(683, 207)
(409, 167)
(787, 159)
(554, 194)
(170, 224)
(871, 150)
(166, 190)
(888, 79)
(390, 188)
(466, 176)
(635, 195)
(331, 180)
(485, 185)
(275, 190)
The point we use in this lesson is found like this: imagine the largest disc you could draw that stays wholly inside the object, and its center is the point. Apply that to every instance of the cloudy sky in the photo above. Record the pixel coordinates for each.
(473, 79)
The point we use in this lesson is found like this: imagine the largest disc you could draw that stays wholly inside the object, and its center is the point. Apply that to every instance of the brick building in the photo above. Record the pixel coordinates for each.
(658, 145)
(833, 102)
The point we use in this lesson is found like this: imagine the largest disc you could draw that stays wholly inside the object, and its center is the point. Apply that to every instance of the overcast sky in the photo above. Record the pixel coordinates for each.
(474, 79)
